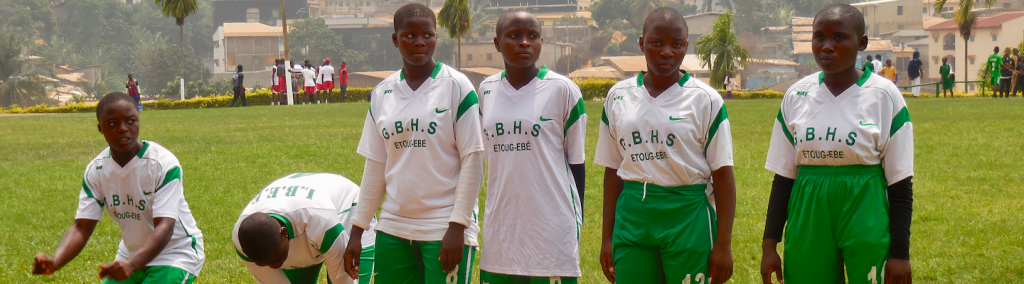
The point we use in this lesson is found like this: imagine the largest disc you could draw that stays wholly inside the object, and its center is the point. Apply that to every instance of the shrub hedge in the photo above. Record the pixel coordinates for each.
(592, 89)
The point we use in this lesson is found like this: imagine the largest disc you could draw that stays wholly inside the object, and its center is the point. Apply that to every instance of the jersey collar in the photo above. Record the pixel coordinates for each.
(433, 75)
(860, 82)
(287, 224)
(145, 145)
(682, 80)
(540, 75)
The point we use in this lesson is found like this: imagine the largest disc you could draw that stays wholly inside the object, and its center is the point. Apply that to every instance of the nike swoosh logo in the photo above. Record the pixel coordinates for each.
(147, 193)
(440, 110)
(865, 124)
(676, 118)
(544, 119)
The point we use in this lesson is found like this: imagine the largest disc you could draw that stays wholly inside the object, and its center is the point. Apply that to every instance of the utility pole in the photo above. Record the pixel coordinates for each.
(284, 28)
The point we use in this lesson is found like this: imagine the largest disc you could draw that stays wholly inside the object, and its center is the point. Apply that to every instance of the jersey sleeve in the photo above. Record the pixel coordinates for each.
(607, 153)
(782, 148)
(326, 231)
(898, 151)
(575, 127)
(371, 143)
(266, 275)
(469, 136)
(167, 197)
(89, 205)
(718, 145)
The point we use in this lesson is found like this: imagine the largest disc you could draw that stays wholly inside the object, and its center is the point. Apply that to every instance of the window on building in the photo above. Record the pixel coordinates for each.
(899, 11)
(935, 38)
(252, 15)
(216, 62)
(972, 38)
(900, 27)
(995, 37)
(1006, 5)
(949, 42)
(276, 13)
(935, 60)
(367, 4)
(469, 57)
(971, 59)
(924, 10)
(257, 42)
(490, 57)
(770, 50)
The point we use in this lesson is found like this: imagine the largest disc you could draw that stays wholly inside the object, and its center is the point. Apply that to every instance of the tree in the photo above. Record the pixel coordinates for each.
(965, 18)
(179, 9)
(807, 8)
(639, 9)
(722, 46)
(314, 41)
(27, 18)
(18, 87)
(155, 71)
(455, 17)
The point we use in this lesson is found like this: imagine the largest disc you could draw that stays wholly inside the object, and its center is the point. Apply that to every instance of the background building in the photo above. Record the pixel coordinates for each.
(1006, 29)
(253, 45)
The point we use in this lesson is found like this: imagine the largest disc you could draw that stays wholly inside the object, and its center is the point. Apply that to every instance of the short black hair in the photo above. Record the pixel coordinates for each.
(258, 232)
(869, 57)
(663, 15)
(846, 13)
(411, 11)
(111, 98)
(499, 27)
(239, 67)
(996, 49)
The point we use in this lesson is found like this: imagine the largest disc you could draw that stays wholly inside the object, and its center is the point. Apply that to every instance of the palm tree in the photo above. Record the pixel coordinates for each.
(179, 9)
(16, 86)
(721, 46)
(965, 18)
(639, 10)
(456, 18)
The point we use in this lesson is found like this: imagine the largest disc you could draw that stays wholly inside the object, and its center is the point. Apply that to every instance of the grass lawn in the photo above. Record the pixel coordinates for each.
(967, 222)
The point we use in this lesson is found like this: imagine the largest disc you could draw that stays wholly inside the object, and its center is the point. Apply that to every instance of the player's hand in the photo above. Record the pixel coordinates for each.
(44, 265)
(119, 270)
(770, 262)
(607, 261)
(451, 247)
(720, 264)
(897, 271)
(353, 251)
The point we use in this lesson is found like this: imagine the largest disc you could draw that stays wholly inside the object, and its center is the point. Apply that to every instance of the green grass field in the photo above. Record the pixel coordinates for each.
(968, 193)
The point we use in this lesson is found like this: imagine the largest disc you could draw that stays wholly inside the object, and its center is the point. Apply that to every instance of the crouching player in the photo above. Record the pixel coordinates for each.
(298, 223)
(139, 184)
(667, 148)
(842, 150)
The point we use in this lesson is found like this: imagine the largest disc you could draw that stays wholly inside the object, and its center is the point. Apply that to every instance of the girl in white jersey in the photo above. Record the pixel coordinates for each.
(139, 184)
(842, 150)
(667, 149)
(423, 146)
(534, 132)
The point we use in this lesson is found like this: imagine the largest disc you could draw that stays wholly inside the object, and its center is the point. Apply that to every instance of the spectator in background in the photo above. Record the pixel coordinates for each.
(914, 70)
(273, 80)
(1006, 73)
(869, 65)
(236, 82)
(878, 63)
(946, 75)
(281, 85)
(132, 89)
(343, 82)
(730, 84)
(1019, 75)
(326, 76)
(888, 71)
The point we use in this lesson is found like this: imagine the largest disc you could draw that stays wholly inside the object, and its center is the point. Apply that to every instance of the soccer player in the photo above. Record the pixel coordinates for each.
(914, 70)
(869, 65)
(273, 81)
(139, 184)
(534, 133)
(947, 80)
(842, 151)
(282, 86)
(994, 63)
(308, 79)
(327, 77)
(295, 225)
(1006, 73)
(665, 135)
(423, 146)
(888, 71)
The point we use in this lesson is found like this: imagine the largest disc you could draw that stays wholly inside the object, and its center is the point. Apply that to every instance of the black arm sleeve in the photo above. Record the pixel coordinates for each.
(901, 207)
(579, 174)
(778, 207)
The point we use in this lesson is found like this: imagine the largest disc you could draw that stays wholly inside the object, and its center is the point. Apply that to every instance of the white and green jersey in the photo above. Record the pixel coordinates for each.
(316, 210)
(868, 124)
(531, 135)
(421, 137)
(148, 187)
(676, 139)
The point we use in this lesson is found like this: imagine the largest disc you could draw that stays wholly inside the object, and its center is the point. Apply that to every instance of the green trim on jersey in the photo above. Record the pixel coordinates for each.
(433, 75)
(604, 116)
(89, 193)
(860, 82)
(901, 118)
(173, 174)
(682, 80)
(722, 116)
(242, 256)
(785, 129)
(330, 236)
(287, 224)
(145, 145)
(543, 72)
(370, 111)
(466, 103)
(574, 115)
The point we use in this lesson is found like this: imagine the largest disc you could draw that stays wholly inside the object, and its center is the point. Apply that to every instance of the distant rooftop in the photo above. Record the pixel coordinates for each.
(250, 30)
(993, 22)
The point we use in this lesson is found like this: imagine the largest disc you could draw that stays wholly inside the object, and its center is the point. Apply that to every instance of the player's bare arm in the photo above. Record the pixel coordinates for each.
(720, 264)
(120, 270)
(352, 252)
(612, 189)
(452, 246)
(70, 246)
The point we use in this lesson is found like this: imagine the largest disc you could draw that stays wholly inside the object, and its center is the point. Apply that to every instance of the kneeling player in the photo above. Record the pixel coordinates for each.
(842, 149)
(665, 140)
(139, 184)
(296, 224)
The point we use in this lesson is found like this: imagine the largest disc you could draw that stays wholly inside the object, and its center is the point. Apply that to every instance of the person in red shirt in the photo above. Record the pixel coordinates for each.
(343, 82)
(132, 88)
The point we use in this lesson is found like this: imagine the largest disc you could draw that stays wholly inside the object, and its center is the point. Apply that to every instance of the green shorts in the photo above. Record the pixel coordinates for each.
(309, 275)
(157, 275)
(838, 218)
(665, 237)
(401, 261)
(498, 278)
